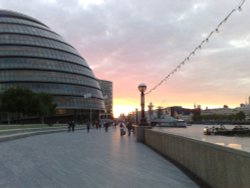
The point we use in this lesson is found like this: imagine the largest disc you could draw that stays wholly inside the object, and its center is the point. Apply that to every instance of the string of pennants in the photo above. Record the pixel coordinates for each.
(198, 47)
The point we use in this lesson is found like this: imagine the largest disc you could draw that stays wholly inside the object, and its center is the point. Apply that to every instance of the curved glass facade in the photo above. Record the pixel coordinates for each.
(34, 57)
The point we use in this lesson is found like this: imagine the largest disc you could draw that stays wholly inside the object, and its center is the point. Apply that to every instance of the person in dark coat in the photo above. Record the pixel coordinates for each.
(106, 125)
(88, 127)
(69, 126)
(129, 127)
(73, 126)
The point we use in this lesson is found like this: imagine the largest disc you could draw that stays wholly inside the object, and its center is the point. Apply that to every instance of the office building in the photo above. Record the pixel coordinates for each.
(35, 57)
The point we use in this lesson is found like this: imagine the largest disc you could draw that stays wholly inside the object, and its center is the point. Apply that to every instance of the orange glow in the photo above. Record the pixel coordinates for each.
(124, 106)
(122, 109)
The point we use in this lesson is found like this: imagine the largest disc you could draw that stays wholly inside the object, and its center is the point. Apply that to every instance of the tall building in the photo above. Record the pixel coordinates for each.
(35, 57)
(107, 90)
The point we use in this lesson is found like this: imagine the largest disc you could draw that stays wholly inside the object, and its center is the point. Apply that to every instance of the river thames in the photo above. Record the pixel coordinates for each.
(196, 132)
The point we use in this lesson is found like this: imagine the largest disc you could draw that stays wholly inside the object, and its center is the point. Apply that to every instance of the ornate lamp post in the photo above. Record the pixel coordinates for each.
(142, 88)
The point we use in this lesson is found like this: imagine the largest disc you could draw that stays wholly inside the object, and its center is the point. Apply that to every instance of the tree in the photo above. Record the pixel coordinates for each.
(197, 117)
(15, 100)
(22, 101)
(240, 115)
(46, 106)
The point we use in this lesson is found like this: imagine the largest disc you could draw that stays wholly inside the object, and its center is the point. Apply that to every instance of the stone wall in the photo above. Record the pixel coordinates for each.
(218, 166)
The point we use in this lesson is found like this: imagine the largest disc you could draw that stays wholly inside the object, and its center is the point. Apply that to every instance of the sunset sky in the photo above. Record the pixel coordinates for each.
(133, 41)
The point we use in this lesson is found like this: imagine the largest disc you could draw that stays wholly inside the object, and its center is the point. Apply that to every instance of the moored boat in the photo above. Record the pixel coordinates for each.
(237, 130)
(168, 121)
(177, 124)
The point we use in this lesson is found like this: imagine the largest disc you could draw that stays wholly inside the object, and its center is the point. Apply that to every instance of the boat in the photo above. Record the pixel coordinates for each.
(238, 130)
(166, 120)
(241, 130)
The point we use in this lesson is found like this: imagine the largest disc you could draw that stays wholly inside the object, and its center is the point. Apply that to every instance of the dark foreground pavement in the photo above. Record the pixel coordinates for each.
(97, 159)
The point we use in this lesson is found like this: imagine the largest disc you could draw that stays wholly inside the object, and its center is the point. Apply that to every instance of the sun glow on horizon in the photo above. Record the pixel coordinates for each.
(124, 106)
(123, 109)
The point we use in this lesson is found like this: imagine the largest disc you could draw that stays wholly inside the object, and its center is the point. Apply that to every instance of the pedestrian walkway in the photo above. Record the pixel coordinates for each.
(97, 159)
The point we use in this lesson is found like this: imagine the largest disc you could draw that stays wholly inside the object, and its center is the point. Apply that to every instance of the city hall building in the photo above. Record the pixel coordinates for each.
(35, 57)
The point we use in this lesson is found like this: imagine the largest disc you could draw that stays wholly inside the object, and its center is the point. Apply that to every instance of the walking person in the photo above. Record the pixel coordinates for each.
(106, 125)
(122, 129)
(88, 127)
(129, 127)
(69, 126)
(73, 126)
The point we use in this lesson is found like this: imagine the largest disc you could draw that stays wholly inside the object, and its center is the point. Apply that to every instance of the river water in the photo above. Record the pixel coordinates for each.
(196, 132)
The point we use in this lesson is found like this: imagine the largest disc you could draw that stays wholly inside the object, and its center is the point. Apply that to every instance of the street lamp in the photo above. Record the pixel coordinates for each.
(142, 88)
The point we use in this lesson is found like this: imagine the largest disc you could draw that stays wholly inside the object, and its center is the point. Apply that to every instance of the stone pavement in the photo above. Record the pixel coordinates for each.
(79, 159)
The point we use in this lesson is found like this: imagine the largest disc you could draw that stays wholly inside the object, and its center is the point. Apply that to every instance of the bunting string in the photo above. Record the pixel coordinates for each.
(198, 47)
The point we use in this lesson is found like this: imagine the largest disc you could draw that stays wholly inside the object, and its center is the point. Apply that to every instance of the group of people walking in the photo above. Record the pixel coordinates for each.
(97, 125)
(122, 125)
(71, 126)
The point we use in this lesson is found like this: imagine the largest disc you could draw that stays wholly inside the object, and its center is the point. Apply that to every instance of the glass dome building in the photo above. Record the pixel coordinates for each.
(35, 57)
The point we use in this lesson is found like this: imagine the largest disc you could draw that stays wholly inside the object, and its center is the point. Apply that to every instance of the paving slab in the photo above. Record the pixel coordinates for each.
(97, 159)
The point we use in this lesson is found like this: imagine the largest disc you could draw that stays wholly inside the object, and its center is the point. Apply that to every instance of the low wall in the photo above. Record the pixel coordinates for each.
(22, 133)
(216, 165)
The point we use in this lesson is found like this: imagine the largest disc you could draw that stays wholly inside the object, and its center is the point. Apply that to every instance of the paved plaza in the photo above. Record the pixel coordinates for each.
(79, 159)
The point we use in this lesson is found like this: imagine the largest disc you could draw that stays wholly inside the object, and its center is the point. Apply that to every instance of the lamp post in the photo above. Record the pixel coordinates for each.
(142, 88)
(143, 122)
